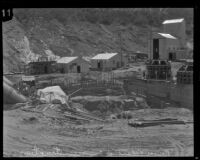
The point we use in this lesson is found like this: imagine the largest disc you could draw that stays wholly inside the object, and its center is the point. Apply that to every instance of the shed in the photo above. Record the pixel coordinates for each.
(43, 65)
(108, 61)
(72, 65)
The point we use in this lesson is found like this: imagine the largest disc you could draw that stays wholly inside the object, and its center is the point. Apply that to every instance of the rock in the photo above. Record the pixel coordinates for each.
(30, 120)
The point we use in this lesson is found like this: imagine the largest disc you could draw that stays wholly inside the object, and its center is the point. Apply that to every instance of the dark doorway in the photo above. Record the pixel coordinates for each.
(45, 69)
(172, 56)
(118, 64)
(78, 69)
(62, 70)
(155, 48)
(99, 65)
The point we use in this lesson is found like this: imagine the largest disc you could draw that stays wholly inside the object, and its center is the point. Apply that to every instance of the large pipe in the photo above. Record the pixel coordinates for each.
(11, 96)
(7, 81)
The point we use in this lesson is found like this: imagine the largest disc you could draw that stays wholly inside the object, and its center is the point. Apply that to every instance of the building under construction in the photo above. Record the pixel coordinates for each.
(42, 66)
(158, 86)
(185, 74)
(159, 70)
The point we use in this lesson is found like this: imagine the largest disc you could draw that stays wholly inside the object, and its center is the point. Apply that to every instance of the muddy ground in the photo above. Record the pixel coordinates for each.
(33, 134)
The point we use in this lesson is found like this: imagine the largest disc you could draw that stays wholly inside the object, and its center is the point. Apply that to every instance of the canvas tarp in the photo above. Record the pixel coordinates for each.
(52, 94)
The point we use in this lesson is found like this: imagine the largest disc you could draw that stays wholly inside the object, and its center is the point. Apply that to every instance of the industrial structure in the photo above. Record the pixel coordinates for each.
(158, 70)
(171, 44)
(176, 27)
(72, 65)
(108, 61)
(157, 84)
(185, 74)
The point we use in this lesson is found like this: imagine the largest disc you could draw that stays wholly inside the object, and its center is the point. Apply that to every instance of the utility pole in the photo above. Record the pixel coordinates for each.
(150, 41)
(119, 34)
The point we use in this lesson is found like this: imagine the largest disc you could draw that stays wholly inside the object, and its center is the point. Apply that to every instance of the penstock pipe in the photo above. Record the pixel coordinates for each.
(12, 96)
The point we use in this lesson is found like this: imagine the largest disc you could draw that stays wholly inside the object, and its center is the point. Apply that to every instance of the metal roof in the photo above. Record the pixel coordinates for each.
(166, 35)
(66, 59)
(173, 21)
(28, 78)
(104, 56)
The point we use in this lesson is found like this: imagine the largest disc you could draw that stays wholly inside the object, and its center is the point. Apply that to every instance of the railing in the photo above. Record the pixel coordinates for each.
(87, 84)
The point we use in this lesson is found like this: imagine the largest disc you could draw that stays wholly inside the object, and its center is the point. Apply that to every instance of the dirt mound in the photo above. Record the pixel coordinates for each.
(107, 105)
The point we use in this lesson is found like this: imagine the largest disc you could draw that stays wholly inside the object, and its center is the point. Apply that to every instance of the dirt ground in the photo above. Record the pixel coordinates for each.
(33, 134)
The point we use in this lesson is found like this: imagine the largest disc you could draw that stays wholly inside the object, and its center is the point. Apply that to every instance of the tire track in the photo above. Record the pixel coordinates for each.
(177, 145)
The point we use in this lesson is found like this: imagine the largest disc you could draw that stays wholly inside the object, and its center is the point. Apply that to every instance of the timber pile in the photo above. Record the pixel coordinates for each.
(148, 123)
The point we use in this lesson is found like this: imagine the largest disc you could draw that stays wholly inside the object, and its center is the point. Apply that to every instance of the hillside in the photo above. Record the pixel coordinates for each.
(69, 32)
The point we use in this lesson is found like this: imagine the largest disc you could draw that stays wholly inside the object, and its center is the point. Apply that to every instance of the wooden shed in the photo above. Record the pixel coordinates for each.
(72, 65)
(108, 61)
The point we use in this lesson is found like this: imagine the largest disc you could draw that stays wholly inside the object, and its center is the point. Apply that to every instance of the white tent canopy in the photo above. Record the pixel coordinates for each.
(52, 93)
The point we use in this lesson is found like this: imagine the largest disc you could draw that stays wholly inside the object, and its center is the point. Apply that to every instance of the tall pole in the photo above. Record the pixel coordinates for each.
(120, 46)
(150, 41)
(147, 40)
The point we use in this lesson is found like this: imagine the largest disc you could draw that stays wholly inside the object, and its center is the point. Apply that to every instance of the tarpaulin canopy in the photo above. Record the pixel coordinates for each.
(53, 93)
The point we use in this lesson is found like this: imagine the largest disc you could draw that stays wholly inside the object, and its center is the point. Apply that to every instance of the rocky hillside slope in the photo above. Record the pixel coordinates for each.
(70, 32)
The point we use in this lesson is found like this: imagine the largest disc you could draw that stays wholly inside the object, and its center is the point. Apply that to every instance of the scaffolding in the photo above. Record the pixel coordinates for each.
(185, 74)
(158, 70)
